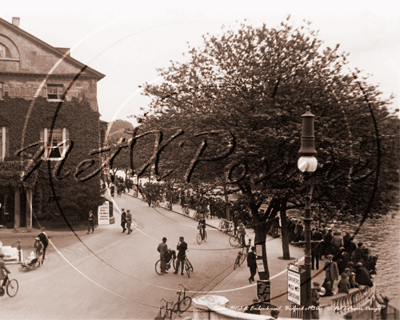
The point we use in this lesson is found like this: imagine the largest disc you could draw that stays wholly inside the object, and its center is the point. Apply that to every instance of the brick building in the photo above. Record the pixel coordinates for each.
(37, 109)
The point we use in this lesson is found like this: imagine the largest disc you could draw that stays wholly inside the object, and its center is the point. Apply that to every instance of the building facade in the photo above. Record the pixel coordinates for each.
(49, 119)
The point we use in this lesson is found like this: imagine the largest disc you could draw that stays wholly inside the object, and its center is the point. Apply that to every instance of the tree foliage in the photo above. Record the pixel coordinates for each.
(253, 83)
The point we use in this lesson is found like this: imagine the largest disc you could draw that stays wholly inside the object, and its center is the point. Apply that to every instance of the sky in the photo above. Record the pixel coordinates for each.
(128, 40)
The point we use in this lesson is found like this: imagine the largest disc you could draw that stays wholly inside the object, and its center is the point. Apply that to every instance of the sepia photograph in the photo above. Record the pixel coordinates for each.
(199, 160)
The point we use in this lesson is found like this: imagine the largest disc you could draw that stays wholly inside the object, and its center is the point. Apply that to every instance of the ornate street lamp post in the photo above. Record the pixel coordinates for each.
(307, 164)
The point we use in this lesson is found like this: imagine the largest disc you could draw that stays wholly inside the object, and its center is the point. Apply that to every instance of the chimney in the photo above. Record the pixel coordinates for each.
(15, 21)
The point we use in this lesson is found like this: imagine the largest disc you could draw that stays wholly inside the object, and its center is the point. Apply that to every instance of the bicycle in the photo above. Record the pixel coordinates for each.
(11, 287)
(188, 267)
(201, 237)
(167, 267)
(165, 312)
(234, 240)
(182, 304)
(242, 255)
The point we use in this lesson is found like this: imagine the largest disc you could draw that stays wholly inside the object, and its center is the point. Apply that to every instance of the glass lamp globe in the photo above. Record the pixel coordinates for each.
(307, 164)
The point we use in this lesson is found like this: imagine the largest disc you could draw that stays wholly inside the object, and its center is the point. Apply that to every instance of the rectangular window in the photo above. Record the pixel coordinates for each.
(54, 143)
(55, 92)
(3, 143)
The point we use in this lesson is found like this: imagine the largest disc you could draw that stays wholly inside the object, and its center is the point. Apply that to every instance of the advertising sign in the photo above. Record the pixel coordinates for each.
(260, 265)
(294, 294)
(264, 290)
(105, 214)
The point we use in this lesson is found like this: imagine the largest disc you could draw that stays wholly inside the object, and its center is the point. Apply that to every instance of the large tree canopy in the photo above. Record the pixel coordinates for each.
(248, 88)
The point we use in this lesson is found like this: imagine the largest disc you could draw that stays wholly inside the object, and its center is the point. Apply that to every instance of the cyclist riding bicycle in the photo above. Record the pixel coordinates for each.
(3, 274)
(202, 226)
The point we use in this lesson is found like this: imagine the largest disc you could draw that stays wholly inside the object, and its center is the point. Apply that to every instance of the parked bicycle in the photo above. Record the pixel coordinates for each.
(183, 303)
(234, 240)
(11, 287)
(242, 255)
(165, 312)
(188, 266)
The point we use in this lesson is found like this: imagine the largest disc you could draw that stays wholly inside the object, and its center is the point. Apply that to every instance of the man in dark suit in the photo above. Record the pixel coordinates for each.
(252, 263)
(181, 247)
(123, 220)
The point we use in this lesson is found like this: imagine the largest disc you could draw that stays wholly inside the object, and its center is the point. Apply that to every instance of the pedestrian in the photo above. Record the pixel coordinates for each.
(336, 242)
(38, 247)
(316, 248)
(331, 270)
(45, 241)
(3, 274)
(163, 250)
(315, 300)
(242, 234)
(327, 243)
(252, 263)
(112, 190)
(181, 247)
(123, 220)
(358, 253)
(90, 222)
(344, 284)
(129, 221)
(362, 275)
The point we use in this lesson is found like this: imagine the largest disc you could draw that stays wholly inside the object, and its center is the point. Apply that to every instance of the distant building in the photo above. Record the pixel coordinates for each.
(33, 79)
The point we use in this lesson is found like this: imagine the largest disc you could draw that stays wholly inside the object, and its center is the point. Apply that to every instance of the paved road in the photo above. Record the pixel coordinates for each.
(109, 274)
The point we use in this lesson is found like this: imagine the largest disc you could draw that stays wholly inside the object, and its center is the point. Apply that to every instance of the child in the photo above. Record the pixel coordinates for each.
(343, 284)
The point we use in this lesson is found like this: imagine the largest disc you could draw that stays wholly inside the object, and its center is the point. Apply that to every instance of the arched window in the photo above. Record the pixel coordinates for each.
(4, 52)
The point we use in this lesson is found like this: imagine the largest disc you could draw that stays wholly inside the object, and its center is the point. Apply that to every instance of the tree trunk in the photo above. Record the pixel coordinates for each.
(260, 229)
(285, 233)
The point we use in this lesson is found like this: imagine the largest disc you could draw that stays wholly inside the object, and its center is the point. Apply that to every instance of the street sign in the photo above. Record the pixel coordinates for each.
(260, 265)
(294, 287)
(105, 213)
(296, 276)
(264, 290)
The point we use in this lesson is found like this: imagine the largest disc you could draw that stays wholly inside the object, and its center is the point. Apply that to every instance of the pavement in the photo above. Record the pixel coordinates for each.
(233, 285)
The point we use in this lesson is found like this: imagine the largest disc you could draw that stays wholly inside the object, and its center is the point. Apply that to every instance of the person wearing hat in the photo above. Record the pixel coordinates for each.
(331, 270)
(336, 242)
(362, 275)
(129, 221)
(3, 274)
(315, 300)
(163, 250)
(90, 222)
(123, 220)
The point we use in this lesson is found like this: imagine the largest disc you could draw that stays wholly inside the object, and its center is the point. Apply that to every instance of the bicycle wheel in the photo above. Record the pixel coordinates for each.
(158, 267)
(236, 264)
(234, 241)
(187, 268)
(185, 304)
(205, 236)
(198, 238)
(190, 265)
(12, 287)
(174, 311)
(241, 259)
